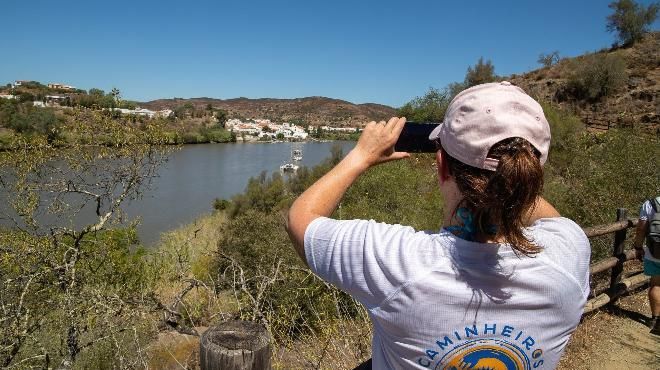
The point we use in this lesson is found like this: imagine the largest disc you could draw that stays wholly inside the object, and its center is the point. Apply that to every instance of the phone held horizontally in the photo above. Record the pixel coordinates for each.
(414, 138)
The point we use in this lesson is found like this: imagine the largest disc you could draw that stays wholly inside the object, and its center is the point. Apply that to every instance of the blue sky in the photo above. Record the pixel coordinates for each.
(363, 51)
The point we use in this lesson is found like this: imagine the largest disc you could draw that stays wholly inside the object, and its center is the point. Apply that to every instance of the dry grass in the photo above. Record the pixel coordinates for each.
(174, 351)
(343, 345)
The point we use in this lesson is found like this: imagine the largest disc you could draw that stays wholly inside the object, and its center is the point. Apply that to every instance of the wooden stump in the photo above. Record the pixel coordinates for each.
(235, 345)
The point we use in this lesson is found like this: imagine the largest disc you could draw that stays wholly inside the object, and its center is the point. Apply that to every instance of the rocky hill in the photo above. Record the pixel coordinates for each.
(311, 110)
(636, 103)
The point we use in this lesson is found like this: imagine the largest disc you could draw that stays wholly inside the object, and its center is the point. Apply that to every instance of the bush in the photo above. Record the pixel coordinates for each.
(193, 138)
(596, 76)
(221, 204)
(566, 129)
(428, 108)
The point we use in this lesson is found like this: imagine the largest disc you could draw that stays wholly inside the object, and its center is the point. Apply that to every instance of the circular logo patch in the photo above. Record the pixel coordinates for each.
(485, 354)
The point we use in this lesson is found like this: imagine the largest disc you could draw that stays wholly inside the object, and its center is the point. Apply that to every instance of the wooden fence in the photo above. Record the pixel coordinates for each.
(619, 284)
(240, 345)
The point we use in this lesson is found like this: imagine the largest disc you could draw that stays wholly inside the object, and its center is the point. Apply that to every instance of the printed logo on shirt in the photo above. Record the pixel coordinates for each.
(471, 348)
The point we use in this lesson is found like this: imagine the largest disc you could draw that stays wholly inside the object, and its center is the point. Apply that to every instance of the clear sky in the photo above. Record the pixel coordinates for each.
(362, 51)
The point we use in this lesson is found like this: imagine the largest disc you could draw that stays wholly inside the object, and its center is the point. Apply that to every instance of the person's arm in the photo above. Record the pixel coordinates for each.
(375, 146)
(640, 234)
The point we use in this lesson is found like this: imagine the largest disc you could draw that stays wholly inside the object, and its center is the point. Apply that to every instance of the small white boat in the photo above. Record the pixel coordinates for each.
(296, 155)
(289, 167)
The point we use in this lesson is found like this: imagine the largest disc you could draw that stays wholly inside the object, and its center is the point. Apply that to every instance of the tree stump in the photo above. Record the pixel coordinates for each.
(235, 345)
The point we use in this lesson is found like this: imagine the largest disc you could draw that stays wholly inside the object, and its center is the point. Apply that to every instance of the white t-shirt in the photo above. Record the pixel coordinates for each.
(438, 301)
(646, 213)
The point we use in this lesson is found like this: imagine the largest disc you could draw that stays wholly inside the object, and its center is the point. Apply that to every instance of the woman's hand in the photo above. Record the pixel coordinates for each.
(376, 144)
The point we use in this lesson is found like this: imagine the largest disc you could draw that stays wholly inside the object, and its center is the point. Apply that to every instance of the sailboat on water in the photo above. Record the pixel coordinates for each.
(296, 156)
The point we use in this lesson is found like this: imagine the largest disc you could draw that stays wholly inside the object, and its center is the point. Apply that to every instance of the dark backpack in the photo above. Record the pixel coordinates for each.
(653, 235)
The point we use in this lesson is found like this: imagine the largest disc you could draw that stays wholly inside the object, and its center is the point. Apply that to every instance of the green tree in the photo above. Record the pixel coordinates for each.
(221, 116)
(428, 108)
(482, 72)
(116, 95)
(547, 60)
(96, 92)
(631, 20)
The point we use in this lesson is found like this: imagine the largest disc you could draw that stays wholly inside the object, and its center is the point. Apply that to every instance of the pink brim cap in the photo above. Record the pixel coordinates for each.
(483, 115)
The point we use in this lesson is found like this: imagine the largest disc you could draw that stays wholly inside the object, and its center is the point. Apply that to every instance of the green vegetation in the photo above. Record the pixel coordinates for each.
(431, 107)
(596, 76)
(428, 108)
(480, 73)
(631, 20)
(24, 118)
(334, 135)
(76, 295)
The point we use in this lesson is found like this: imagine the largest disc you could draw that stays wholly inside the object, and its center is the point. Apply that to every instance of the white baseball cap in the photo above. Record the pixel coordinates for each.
(483, 115)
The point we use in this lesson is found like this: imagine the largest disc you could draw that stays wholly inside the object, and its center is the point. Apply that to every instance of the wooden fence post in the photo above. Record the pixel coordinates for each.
(235, 345)
(619, 244)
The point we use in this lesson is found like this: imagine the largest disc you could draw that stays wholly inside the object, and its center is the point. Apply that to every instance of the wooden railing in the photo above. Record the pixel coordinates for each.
(618, 284)
(241, 345)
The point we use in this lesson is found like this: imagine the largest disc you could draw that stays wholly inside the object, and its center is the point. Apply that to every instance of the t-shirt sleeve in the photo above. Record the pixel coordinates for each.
(566, 244)
(366, 259)
(645, 211)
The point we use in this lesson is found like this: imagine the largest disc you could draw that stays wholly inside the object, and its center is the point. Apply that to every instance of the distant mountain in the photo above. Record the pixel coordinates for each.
(314, 110)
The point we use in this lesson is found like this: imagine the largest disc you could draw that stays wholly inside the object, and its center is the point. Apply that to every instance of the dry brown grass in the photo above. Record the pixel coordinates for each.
(343, 345)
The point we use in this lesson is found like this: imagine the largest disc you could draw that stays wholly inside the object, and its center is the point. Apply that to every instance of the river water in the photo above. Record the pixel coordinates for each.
(197, 174)
(191, 179)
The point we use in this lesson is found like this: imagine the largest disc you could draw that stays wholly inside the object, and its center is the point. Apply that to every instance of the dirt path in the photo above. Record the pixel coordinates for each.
(615, 339)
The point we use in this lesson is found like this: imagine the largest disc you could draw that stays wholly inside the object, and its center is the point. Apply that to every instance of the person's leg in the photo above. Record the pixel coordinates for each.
(652, 269)
(654, 295)
(654, 300)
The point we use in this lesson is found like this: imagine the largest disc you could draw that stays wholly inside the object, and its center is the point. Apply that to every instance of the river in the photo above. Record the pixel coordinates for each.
(197, 174)
(191, 179)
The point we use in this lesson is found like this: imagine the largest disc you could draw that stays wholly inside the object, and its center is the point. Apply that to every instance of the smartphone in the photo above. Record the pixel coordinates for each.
(415, 138)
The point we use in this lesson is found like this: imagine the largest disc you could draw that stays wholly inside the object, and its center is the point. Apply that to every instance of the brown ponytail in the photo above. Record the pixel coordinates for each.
(503, 197)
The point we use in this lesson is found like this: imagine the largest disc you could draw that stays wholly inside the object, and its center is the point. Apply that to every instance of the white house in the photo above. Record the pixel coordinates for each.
(61, 86)
(164, 113)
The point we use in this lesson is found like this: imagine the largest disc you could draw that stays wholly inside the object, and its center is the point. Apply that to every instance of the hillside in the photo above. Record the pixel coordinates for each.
(635, 104)
(311, 110)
